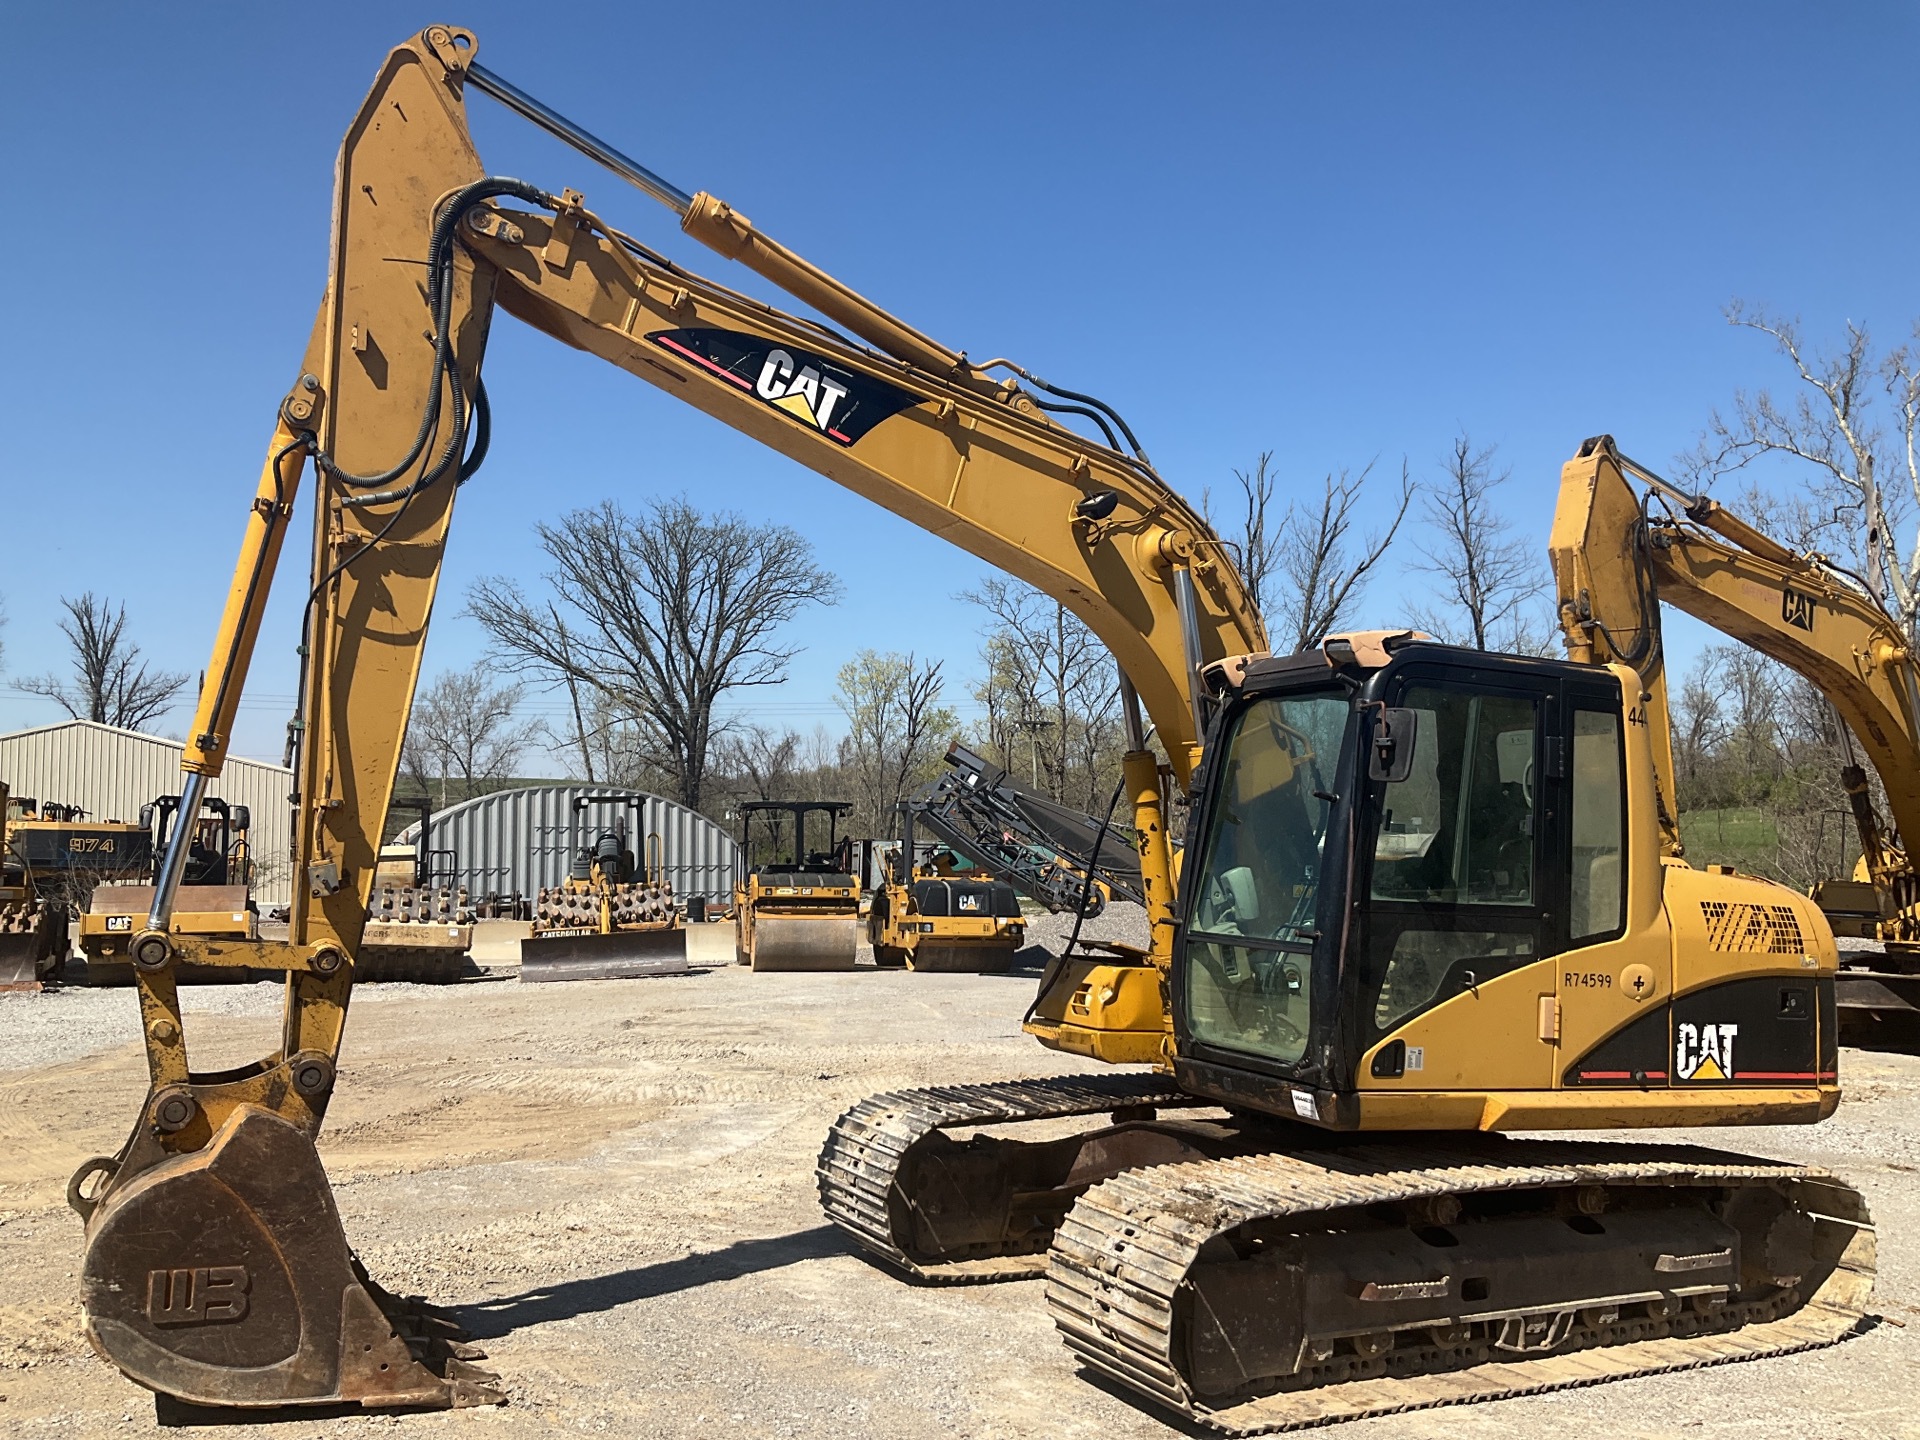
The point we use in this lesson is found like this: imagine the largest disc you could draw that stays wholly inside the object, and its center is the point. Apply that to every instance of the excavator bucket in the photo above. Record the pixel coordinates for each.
(621, 955)
(222, 1278)
(32, 945)
(804, 942)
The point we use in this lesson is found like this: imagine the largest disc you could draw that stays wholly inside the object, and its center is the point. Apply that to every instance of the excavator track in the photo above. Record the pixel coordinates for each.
(1129, 1284)
(878, 1142)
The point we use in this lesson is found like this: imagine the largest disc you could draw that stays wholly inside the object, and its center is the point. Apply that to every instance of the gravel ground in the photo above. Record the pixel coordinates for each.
(612, 1184)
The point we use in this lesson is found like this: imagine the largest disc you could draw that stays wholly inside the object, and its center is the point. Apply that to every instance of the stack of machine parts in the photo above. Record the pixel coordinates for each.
(608, 920)
(1038, 846)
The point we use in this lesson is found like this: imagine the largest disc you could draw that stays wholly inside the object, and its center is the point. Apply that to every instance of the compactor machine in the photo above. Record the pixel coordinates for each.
(939, 917)
(609, 919)
(796, 909)
(1428, 896)
(420, 919)
(33, 928)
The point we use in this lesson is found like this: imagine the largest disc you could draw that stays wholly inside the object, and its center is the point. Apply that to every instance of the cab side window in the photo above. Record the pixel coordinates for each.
(1597, 902)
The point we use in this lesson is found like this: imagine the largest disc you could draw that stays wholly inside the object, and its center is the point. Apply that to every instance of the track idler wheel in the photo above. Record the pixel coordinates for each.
(223, 1278)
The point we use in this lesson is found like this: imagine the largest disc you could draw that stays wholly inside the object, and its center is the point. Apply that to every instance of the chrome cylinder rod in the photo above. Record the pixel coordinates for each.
(1130, 713)
(179, 843)
(594, 148)
(1187, 603)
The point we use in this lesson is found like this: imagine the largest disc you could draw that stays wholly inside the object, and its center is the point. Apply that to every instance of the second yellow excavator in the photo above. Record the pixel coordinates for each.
(1425, 897)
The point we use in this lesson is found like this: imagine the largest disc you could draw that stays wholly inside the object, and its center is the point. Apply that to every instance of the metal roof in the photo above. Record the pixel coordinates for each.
(110, 773)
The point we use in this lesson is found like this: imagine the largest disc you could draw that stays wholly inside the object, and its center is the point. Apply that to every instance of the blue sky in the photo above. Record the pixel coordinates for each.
(1335, 232)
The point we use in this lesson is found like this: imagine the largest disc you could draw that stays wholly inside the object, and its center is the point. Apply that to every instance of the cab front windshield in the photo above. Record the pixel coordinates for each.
(1249, 933)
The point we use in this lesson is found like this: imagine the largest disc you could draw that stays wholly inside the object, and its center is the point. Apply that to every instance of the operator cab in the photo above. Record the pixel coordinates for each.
(1372, 839)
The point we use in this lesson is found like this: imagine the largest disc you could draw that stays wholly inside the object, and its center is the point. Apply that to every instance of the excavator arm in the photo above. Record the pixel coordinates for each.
(216, 1268)
(1615, 556)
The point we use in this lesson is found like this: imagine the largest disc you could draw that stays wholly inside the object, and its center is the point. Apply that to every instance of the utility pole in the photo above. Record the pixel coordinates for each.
(1033, 725)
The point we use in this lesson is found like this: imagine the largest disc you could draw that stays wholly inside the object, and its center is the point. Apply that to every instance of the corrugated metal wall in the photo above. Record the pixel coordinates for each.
(516, 841)
(111, 773)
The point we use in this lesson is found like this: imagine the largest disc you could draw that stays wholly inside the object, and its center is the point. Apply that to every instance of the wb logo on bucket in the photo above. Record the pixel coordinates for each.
(828, 398)
(205, 1295)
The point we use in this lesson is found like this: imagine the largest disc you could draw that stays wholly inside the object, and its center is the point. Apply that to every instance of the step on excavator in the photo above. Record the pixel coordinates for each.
(937, 917)
(1425, 901)
(610, 919)
(796, 909)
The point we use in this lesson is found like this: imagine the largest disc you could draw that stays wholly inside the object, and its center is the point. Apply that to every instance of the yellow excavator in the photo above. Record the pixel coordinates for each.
(1810, 615)
(1425, 898)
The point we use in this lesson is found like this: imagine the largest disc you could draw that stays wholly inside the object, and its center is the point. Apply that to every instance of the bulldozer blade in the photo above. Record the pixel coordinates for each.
(22, 963)
(32, 948)
(222, 1278)
(623, 955)
(804, 942)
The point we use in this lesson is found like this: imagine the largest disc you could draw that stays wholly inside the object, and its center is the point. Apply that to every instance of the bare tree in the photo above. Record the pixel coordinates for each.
(1866, 486)
(1319, 566)
(664, 614)
(896, 729)
(464, 730)
(110, 682)
(1489, 579)
(765, 764)
(1051, 681)
(1256, 545)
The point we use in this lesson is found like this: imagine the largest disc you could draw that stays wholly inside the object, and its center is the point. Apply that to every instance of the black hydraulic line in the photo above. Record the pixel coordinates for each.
(1093, 415)
(1066, 394)
(445, 368)
(1058, 965)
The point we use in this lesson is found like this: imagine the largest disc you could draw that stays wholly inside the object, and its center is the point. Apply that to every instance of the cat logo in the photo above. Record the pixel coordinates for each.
(969, 902)
(1704, 1052)
(1796, 609)
(827, 398)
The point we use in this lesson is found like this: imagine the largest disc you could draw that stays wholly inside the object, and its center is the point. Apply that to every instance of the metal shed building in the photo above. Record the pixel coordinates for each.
(110, 773)
(516, 841)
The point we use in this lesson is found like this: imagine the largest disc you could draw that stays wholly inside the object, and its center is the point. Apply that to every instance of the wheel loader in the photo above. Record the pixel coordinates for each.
(1429, 897)
(796, 909)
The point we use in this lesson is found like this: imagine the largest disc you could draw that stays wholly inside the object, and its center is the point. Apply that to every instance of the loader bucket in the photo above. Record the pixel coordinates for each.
(804, 942)
(622, 955)
(222, 1277)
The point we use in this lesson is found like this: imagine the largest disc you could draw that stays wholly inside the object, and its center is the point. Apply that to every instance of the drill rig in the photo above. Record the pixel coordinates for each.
(1424, 892)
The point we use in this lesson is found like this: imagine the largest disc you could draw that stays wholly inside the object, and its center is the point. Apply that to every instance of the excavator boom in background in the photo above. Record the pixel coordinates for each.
(1424, 890)
(1809, 615)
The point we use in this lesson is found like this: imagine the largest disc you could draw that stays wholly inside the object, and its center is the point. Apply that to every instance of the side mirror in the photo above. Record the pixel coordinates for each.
(242, 818)
(1394, 733)
(146, 817)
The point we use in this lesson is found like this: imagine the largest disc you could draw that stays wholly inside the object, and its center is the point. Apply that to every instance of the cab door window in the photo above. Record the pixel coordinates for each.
(1456, 883)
